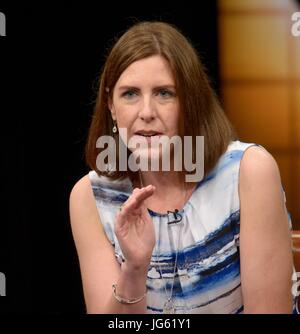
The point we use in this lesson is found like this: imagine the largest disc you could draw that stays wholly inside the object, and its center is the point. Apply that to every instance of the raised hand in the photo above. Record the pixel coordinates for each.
(134, 229)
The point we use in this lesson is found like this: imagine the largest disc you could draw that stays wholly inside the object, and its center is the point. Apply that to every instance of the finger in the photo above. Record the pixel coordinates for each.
(136, 199)
(130, 198)
(134, 202)
(143, 194)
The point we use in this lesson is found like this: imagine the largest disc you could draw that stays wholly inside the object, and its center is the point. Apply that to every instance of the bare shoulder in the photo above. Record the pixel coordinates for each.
(258, 167)
(82, 203)
(82, 190)
(87, 229)
(261, 195)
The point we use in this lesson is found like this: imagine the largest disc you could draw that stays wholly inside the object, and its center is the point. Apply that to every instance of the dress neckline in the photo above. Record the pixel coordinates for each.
(182, 210)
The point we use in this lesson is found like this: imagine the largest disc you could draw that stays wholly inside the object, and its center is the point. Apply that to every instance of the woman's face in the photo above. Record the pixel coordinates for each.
(145, 100)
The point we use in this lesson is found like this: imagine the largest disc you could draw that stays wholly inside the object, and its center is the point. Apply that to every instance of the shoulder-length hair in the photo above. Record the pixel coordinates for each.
(201, 112)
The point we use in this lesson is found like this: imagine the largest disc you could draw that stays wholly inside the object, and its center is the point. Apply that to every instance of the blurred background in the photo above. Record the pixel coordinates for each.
(260, 82)
(50, 62)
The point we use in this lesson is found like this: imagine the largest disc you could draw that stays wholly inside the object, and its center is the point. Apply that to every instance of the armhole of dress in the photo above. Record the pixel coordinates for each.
(237, 235)
(108, 229)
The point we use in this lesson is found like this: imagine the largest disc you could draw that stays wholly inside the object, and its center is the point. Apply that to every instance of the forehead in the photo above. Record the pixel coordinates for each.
(154, 70)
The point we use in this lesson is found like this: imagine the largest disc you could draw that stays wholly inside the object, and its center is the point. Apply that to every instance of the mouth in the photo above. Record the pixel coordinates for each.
(148, 133)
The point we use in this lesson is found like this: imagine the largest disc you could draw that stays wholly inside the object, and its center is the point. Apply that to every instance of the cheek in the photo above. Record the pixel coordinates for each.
(181, 123)
(126, 120)
(125, 117)
(174, 120)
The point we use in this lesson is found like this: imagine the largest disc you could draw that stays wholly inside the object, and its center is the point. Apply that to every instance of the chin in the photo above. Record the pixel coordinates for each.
(150, 159)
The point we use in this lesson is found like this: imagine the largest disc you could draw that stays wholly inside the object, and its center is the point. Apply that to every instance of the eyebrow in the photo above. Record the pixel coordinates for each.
(136, 88)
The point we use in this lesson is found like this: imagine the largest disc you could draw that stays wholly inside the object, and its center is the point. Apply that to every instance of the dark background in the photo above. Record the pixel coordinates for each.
(50, 61)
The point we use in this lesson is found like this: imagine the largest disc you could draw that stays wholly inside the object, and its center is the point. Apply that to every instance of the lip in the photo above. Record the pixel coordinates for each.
(149, 138)
(148, 133)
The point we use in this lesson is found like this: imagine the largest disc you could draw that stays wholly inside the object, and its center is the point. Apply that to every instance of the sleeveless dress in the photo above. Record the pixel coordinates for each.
(196, 260)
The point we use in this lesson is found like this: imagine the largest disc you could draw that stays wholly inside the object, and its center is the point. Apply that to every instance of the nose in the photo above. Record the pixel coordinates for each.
(147, 111)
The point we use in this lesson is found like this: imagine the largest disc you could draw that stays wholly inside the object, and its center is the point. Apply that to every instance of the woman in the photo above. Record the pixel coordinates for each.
(150, 242)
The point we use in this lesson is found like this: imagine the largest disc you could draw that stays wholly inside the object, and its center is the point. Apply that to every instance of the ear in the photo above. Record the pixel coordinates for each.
(111, 108)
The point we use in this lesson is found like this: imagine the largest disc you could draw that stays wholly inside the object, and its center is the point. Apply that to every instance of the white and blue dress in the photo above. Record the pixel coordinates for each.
(207, 276)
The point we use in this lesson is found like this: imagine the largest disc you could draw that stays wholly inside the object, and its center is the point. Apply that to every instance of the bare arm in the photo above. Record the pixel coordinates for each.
(265, 240)
(99, 268)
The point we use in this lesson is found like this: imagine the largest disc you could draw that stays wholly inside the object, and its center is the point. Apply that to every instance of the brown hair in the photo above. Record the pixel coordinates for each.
(202, 113)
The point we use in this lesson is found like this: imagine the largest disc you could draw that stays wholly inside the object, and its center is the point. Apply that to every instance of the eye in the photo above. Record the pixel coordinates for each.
(129, 94)
(165, 93)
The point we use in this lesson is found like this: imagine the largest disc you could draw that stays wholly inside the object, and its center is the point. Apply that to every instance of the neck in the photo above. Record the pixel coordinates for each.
(171, 190)
(162, 180)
